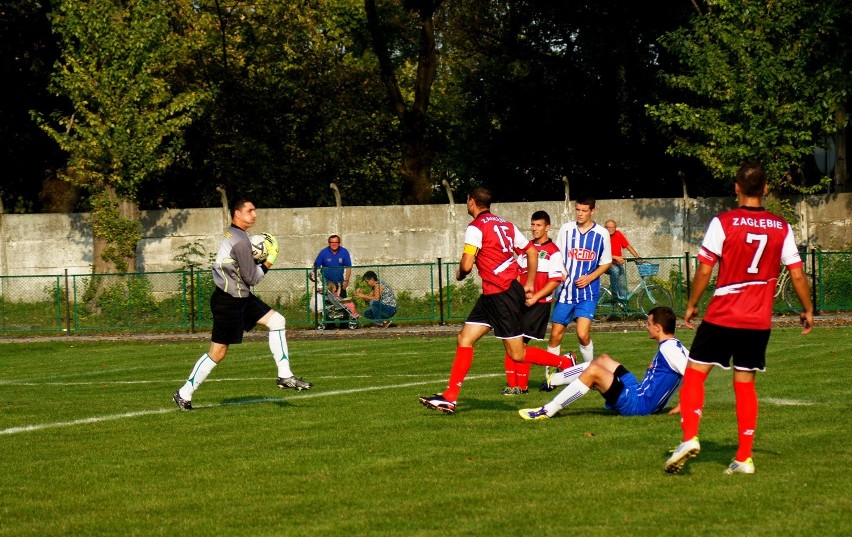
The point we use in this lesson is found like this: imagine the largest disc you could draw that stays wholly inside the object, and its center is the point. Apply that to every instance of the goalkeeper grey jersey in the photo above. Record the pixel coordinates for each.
(234, 270)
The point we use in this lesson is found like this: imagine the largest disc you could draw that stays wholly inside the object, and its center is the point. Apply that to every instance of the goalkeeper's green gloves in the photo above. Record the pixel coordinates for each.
(271, 248)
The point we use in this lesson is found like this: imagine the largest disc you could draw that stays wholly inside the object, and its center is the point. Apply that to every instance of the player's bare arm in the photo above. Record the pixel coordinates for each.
(548, 288)
(699, 285)
(800, 286)
(532, 268)
(466, 263)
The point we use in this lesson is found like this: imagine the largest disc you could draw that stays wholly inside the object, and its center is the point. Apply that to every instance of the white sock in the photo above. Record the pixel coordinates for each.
(571, 393)
(202, 368)
(280, 353)
(278, 344)
(588, 351)
(557, 350)
(569, 375)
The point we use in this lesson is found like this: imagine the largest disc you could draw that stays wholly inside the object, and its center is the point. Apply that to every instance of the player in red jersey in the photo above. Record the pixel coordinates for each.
(749, 244)
(491, 243)
(537, 311)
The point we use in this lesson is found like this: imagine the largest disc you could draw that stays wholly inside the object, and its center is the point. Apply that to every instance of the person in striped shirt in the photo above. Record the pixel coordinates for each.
(586, 254)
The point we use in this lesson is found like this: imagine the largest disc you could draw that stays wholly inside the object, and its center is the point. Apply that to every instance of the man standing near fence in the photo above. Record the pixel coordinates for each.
(335, 264)
(749, 244)
(617, 271)
(236, 309)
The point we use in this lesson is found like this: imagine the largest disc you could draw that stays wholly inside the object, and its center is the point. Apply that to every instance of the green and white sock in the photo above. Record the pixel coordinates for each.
(280, 352)
(202, 368)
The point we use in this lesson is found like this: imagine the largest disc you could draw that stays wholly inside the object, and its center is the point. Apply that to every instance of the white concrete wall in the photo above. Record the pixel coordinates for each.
(50, 243)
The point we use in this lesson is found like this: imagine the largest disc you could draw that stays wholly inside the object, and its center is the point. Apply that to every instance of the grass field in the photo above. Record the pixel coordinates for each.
(91, 444)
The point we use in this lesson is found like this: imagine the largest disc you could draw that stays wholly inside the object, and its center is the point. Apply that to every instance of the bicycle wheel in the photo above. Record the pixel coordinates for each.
(607, 308)
(652, 296)
(789, 294)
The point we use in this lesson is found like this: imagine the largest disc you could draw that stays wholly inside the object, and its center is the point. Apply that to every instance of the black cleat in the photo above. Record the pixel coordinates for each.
(294, 383)
(183, 404)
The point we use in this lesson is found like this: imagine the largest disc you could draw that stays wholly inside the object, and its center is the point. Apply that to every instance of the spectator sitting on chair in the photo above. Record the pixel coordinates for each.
(381, 299)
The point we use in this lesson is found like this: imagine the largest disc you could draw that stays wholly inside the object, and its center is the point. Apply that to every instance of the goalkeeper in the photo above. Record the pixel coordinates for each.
(235, 309)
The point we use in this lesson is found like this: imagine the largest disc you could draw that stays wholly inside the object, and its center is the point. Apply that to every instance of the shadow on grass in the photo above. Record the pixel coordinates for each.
(253, 400)
(711, 453)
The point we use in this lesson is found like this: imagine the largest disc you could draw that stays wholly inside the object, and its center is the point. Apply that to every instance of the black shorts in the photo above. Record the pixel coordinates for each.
(501, 311)
(614, 391)
(233, 316)
(534, 320)
(716, 345)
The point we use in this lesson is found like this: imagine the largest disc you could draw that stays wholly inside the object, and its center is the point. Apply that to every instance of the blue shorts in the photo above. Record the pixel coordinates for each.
(565, 313)
(627, 402)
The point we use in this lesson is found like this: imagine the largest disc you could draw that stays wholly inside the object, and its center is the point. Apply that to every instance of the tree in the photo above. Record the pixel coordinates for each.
(417, 155)
(28, 157)
(543, 90)
(759, 79)
(295, 107)
(127, 119)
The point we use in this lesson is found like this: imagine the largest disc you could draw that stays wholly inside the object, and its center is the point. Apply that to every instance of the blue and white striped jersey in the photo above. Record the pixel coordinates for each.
(662, 378)
(582, 253)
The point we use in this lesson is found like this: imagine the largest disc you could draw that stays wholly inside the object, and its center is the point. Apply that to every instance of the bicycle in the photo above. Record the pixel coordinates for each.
(784, 289)
(648, 295)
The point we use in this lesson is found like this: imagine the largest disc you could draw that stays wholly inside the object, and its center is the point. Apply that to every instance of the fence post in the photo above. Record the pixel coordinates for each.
(814, 296)
(67, 305)
(440, 294)
(688, 276)
(191, 299)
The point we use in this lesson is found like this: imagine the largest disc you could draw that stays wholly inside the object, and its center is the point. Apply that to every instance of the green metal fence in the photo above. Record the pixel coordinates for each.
(426, 293)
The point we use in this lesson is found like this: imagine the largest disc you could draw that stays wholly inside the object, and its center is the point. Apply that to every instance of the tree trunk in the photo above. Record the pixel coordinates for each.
(417, 156)
(841, 171)
(128, 210)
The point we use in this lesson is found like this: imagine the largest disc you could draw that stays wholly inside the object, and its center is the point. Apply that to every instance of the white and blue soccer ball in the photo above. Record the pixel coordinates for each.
(258, 248)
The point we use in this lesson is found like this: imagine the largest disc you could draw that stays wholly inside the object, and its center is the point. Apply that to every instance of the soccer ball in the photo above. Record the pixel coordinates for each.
(258, 248)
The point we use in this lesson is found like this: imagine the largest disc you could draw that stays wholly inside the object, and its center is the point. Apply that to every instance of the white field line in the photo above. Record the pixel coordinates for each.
(785, 402)
(180, 381)
(306, 395)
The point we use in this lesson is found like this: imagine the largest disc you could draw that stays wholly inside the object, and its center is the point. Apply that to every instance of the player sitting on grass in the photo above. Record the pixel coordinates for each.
(619, 387)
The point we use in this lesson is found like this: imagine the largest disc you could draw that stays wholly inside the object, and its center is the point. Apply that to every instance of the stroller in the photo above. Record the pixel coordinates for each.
(335, 311)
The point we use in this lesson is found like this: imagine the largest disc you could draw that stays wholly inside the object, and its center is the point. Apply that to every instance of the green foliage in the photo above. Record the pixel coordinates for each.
(127, 301)
(835, 286)
(127, 116)
(122, 234)
(461, 297)
(194, 255)
(758, 80)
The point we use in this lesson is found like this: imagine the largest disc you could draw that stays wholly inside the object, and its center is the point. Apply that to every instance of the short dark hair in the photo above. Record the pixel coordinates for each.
(586, 201)
(481, 195)
(665, 317)
(541, 215)
(238, 204)
(751, 178)
(369, 275)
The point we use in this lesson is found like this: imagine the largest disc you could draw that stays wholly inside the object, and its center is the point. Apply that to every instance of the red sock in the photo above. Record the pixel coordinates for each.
(461, 365)
(746, 418)
(522, 371)
(509, 365)
(691, 402)
(538, 356)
